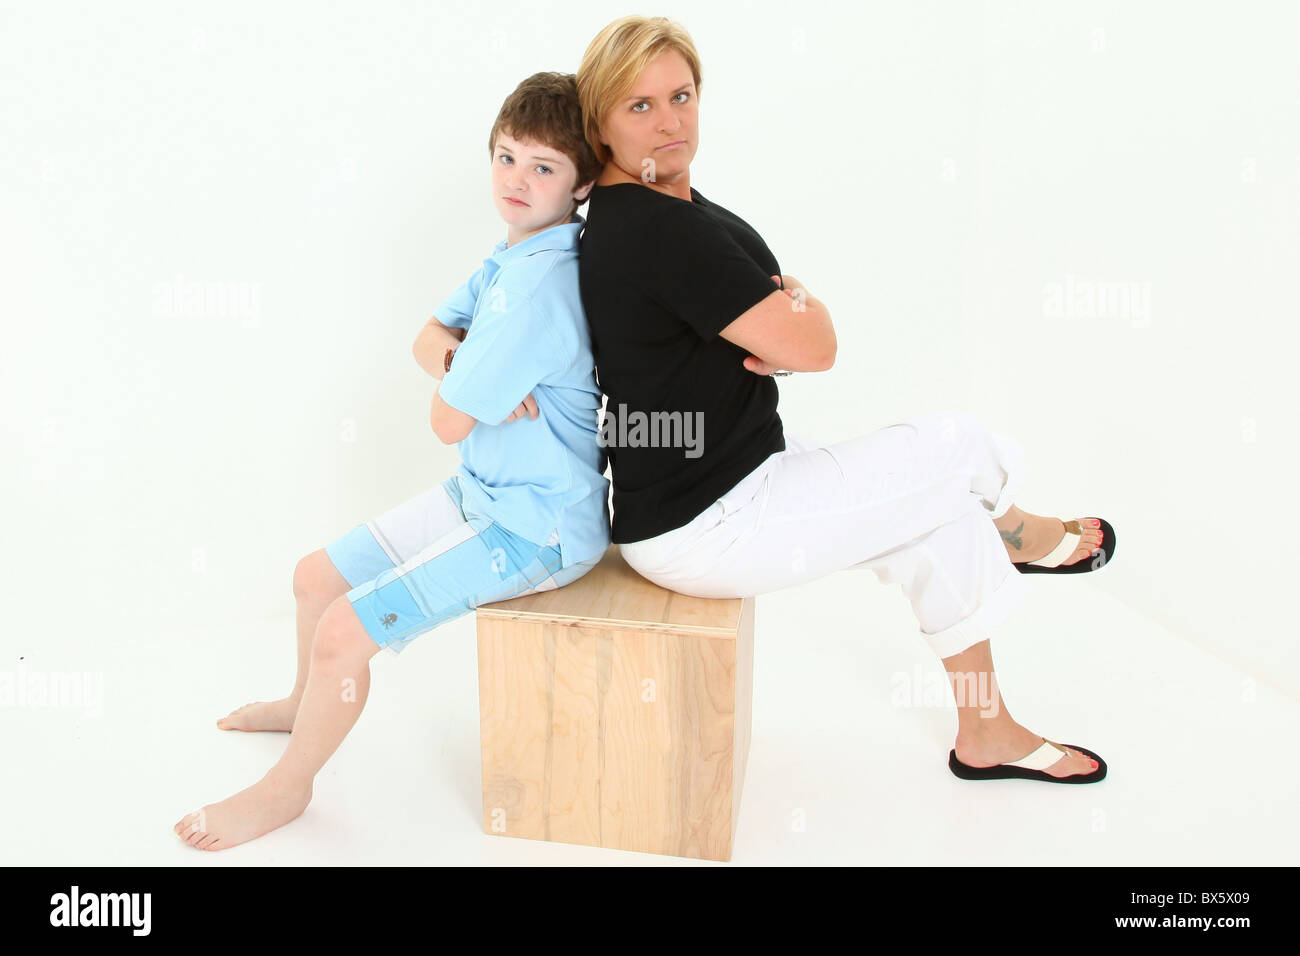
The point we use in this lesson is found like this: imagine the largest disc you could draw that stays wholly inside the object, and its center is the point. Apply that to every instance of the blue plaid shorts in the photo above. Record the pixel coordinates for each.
(427, 561)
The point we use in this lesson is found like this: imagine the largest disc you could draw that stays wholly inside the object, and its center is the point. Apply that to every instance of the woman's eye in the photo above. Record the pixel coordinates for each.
(503, 156)
(644, 103)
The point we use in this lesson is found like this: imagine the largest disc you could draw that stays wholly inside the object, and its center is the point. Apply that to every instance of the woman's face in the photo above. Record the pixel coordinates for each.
(653, 132)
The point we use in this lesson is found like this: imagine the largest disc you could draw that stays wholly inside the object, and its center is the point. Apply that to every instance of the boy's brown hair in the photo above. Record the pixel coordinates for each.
(545, 108)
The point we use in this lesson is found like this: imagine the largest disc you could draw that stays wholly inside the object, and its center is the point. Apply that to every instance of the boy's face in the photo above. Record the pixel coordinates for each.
(533, 186)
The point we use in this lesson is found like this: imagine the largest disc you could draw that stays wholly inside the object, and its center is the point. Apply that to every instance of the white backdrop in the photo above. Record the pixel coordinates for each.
(224, 223)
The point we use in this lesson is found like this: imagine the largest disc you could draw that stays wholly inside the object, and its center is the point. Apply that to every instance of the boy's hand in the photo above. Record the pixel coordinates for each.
(755, 364)
(527, 407)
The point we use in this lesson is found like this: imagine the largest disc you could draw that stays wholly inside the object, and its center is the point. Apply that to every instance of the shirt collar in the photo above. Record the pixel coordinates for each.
(564, 237)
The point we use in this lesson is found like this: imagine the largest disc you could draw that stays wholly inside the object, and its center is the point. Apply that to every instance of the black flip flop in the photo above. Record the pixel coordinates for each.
(1029, 767)
(1051, 563)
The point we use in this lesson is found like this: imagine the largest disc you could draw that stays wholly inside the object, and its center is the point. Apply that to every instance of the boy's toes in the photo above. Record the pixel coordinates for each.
(230, 717)
(262, 715)
(187, 829)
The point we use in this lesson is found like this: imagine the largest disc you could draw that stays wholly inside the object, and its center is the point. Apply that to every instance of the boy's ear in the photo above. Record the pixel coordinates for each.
(582, 192)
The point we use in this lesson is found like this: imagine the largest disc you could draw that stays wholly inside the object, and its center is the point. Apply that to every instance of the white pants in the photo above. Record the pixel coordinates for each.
(914, 502)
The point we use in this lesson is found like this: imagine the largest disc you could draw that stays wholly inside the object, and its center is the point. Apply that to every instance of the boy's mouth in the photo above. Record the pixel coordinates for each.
(515, 202)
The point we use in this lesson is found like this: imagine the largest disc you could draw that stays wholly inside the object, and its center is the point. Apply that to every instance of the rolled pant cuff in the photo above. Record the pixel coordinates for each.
(1012, 457)
(981, 624)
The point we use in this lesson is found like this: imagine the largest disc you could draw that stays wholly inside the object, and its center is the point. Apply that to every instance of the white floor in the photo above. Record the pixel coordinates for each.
(841, 771)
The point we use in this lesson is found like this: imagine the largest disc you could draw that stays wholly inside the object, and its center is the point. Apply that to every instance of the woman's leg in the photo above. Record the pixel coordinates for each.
(912, 502)
(316, 583)
(1028, 537)
(823, 508)
(986, 733)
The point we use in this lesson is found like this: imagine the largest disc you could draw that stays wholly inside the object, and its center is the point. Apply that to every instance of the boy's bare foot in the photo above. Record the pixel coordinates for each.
(259, 809)
(1014, 742)
(1028, 537)
(262, 715)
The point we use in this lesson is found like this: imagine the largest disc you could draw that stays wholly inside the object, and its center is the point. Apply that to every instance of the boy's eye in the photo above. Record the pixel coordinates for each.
(506, 157)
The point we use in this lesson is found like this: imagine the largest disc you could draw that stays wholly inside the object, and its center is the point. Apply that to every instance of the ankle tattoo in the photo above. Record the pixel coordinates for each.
(1014, 538)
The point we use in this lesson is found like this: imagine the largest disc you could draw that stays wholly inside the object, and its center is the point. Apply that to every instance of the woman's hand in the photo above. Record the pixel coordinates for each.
(759, 367)
(527, 407)
(752, 362)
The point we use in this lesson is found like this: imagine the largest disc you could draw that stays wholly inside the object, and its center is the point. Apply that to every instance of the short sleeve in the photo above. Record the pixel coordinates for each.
(457, 310)
(504, 357)
(693, 267)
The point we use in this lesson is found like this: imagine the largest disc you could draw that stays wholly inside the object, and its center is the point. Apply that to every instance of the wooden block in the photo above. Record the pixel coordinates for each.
(616, 713)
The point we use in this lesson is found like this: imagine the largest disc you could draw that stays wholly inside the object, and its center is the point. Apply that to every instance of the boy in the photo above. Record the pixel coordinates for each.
(527, 508)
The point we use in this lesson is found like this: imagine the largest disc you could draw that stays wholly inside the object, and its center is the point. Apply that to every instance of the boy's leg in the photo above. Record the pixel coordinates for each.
(330, 572)
(337, 687)
(316, 582)
(474, 562)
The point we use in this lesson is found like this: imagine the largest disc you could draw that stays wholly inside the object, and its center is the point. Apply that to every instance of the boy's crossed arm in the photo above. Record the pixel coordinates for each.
(450, 424)
(432, 343)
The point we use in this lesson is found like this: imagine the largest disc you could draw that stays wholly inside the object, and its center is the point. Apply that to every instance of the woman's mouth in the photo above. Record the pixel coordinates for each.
(673, 145)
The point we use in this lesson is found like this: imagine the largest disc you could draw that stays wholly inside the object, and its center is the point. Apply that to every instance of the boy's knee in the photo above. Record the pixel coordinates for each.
(310, 575)
(339, 633)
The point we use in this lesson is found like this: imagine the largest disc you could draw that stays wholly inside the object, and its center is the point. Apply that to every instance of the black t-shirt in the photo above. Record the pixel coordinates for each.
(685, 421)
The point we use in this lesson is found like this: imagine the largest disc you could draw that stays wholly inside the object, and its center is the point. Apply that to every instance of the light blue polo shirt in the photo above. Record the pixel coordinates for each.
(528, 334)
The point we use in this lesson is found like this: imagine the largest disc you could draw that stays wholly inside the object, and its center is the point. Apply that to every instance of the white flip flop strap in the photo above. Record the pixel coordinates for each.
(1069, 544)
(1040, 759)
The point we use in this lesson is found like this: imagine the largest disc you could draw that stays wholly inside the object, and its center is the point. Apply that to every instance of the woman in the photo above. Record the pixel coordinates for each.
(690, 316)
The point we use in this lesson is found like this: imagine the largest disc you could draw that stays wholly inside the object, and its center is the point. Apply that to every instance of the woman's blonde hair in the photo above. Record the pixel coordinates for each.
(614, 60)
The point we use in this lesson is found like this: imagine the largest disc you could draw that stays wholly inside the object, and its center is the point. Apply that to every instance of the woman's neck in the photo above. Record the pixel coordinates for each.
(680, 188)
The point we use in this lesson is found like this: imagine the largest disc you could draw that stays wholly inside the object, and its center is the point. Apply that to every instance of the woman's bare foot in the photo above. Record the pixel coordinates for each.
(1029, 537)
(262, 715)
(1014, 742)
(270, 803)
